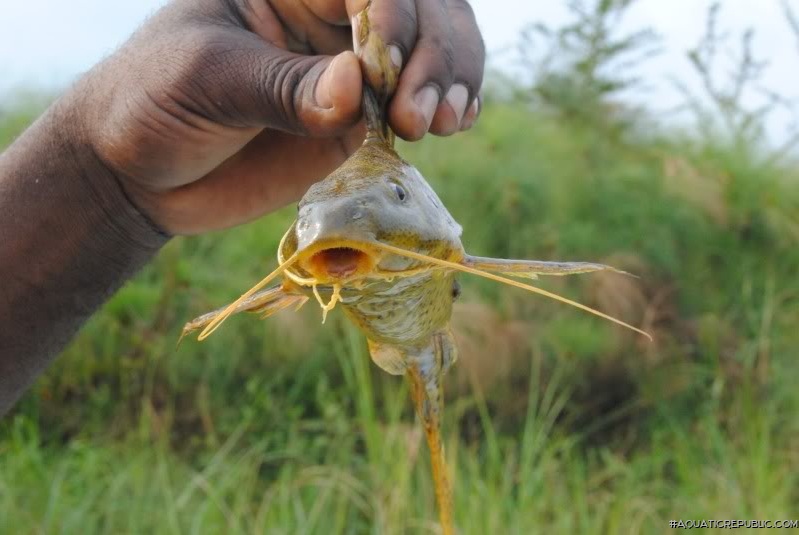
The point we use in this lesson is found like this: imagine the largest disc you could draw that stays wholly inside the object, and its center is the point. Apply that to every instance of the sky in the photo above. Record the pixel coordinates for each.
(47, 43)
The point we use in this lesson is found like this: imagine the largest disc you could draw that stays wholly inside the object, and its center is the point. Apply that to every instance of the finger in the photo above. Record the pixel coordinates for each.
(428, 74)
(238, 190)
(469, 64)
(249, 82)
(396, 23)
(311, 26)
(330, 12)
(311, 95)
(472, 113)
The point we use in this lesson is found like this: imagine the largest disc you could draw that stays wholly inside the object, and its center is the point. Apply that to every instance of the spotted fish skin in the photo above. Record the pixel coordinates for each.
(376, 196)
(404, 313)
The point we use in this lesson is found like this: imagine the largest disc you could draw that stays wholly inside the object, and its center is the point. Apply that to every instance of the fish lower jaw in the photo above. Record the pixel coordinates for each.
(338, 261)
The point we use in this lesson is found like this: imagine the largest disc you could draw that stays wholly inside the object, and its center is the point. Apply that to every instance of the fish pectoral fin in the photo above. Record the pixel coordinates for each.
(390, 358)
(530, 269)
(286, 301)
(434, 358)
(483, 267)
(265, 303)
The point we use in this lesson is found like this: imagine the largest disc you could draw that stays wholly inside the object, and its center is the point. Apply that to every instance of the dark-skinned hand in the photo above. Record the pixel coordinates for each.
(216, 112)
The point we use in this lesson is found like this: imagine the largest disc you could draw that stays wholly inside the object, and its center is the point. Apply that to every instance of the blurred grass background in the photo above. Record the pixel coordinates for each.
(556, 422)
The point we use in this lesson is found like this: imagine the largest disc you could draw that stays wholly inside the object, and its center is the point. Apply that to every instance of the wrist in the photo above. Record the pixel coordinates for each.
(69, 238)
(63, 211)
(73, 120)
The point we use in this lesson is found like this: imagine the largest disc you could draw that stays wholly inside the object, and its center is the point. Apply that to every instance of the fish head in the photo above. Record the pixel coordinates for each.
(374, 197)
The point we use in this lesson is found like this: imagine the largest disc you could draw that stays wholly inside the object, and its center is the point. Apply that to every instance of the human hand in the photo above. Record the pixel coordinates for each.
(216, 112)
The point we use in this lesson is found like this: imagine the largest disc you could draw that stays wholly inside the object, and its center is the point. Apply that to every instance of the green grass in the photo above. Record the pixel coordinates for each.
(570, 426)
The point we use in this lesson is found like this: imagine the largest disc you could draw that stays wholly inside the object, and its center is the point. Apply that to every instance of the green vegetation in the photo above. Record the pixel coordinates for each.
(556, 421)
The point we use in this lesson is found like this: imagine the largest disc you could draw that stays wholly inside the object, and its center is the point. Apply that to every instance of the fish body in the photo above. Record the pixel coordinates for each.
(375, 238)
(401, 304)
(376, 197)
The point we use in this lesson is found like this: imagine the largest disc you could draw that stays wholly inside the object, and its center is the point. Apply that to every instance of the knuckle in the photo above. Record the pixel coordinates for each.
(281, 89)
(187, 63)
(479, 49)
(201, 74)
(461, 8)
(446, 56)
(399, 25)
(442, 52)
(469, 43)
(434, 64)
(237, 11)
(216, 76)
(471, 67)
(209, 58)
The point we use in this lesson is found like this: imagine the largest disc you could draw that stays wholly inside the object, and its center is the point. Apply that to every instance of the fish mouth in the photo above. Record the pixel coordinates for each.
(337, 262)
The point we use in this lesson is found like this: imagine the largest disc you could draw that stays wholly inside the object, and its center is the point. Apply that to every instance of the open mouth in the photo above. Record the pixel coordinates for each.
(337, 263)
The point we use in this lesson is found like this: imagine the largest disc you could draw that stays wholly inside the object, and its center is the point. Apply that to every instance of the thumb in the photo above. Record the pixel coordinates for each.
(337, 92)
(309, 95)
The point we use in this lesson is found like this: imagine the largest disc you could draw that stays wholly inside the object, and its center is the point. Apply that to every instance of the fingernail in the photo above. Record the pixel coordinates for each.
(396, 56)
(457, 96)
(427, 101)
(471, 115)
(356, 31)
(322, 92)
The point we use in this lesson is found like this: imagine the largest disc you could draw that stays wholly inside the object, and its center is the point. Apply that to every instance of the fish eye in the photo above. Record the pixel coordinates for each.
(399, 191)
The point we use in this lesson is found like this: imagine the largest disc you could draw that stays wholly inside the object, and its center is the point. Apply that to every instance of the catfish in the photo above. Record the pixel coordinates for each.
(375, 238)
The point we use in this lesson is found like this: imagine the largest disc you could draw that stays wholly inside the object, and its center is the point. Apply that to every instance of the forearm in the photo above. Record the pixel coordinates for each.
(69, 238)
